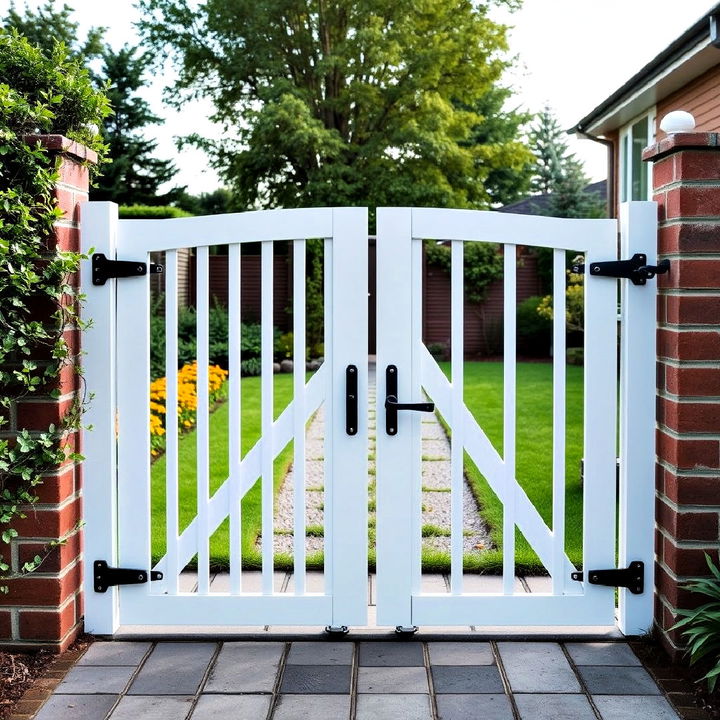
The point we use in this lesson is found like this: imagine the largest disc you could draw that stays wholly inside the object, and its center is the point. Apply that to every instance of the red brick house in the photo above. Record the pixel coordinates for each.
(684, 76)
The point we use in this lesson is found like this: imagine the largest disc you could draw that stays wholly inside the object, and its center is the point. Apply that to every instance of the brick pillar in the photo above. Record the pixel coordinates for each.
(44, 608)
(686, 180)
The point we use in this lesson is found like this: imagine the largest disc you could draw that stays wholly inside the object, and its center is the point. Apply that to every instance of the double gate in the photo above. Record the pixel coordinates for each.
(143, 527)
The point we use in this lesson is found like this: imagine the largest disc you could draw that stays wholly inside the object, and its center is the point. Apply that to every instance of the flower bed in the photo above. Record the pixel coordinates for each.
(187, 401)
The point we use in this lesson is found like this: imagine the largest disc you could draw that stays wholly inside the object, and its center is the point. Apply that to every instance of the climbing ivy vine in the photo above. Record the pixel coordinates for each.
(38, 94)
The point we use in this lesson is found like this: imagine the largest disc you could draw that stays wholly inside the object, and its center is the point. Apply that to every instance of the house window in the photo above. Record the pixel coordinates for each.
(635, 177)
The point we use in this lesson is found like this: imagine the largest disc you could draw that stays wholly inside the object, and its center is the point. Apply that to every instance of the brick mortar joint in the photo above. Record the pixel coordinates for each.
(675, 435)
(680, 544)
(685, 508)
(709, 473)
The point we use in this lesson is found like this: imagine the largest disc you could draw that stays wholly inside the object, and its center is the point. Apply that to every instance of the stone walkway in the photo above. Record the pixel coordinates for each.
(435, 485)
(331, 680)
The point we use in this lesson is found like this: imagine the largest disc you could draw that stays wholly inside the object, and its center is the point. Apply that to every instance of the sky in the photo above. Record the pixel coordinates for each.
(570, 54)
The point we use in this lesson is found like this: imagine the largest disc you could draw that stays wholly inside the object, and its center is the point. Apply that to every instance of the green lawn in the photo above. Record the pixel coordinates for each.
(484, 398)
(251, 504)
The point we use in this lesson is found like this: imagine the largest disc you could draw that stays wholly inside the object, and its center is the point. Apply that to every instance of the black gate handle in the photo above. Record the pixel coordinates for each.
(391, 402)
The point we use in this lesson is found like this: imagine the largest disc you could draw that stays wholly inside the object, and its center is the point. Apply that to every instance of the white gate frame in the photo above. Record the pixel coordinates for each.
(638, 222)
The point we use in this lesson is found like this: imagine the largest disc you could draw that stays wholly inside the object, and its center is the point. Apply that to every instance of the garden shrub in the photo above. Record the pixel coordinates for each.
(250, 340)
(152, 212)
(52, 95)
(701, 626)
(534, 331)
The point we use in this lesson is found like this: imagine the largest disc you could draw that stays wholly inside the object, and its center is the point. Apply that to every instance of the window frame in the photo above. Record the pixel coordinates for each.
(625, 166)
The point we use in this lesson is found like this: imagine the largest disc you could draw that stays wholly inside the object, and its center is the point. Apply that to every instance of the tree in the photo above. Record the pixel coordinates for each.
(221, 200)
(558, 173)
(47, 25)
(368, 102)
(134, 176)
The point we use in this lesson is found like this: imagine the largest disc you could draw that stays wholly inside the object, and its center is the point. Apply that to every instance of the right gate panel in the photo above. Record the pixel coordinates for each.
(517, 431)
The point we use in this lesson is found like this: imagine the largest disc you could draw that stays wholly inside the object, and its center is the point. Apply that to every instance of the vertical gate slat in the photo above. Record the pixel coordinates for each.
(457, 440)
(171, 421)
(267, 412)
(235, 409)
(298, 307)
(416, 259)
(559, 372)
(509, 402)
(203, 420)
(328, 325)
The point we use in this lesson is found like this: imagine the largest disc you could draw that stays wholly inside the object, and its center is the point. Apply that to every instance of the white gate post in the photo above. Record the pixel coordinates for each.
(638, 228)
(349, 461)
(99, 234)
(395, 453)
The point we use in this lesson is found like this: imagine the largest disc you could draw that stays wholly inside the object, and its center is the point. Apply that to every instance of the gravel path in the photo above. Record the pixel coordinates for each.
(435, 497)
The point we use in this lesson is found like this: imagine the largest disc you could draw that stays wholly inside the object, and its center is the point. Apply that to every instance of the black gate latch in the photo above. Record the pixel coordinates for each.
(632, 577)
(636, 269)
(105, 576)
(104, 269)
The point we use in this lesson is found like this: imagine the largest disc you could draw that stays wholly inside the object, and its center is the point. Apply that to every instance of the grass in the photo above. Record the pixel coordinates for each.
(484, 398)
(187, 454)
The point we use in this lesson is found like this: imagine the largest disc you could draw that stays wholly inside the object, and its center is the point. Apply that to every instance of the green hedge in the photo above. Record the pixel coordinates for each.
(156, 212)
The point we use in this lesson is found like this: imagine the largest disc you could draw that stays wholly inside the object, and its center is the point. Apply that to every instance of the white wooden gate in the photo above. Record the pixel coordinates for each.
(117, 470)
(118, 372)
(403, 356)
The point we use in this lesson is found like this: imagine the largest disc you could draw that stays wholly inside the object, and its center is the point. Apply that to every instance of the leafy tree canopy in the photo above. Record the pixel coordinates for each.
(48, 25)
(135, 175)
(370, 102)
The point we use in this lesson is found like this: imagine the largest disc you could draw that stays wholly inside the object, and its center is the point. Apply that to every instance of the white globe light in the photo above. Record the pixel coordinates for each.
(677, 121)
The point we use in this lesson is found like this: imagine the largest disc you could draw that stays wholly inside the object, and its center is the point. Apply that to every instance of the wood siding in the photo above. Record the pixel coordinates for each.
(249, 287)
(483, 322)
(700, 97)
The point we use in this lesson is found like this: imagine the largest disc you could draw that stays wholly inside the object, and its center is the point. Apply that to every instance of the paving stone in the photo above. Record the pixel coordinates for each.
(392, 680)
(599, 653)
(77, 707)
(152, 708)
(474, 707)
(554, 707)
(245, 667)
(320, 653)
(115, 653)
(313, 707)
(237, 707)
(466, 679)
(629, 707)
(608, 680)
(390, 654)
(537, 667)
(174, 669)
(95, 680)
(380, 707)
(460, 653)
(322, 679)
(489, 584)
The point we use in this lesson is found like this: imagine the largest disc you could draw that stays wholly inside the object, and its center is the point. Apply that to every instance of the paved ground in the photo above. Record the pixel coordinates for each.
(335, 680)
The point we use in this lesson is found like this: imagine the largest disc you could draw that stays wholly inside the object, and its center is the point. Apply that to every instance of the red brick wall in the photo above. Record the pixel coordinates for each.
(45, 607)
(685, 180)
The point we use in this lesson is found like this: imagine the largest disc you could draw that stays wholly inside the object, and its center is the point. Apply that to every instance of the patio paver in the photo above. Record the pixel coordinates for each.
(358, 680)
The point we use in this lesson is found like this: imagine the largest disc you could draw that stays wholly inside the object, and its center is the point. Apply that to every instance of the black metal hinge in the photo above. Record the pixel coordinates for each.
(636, 269)
(104, 269)
(632, 577)
(105, 576)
